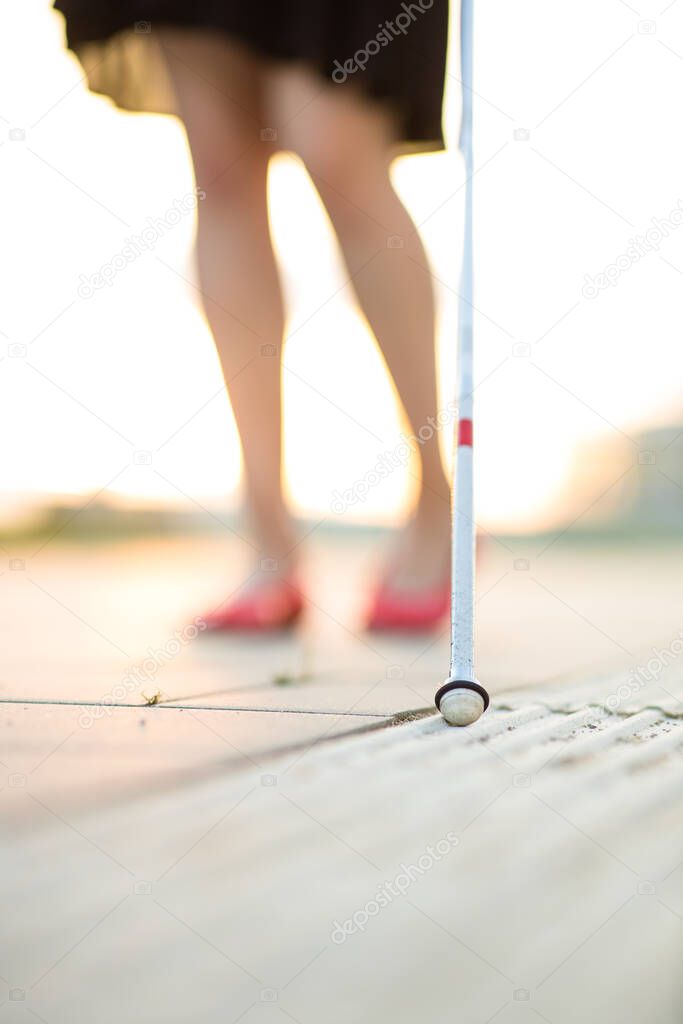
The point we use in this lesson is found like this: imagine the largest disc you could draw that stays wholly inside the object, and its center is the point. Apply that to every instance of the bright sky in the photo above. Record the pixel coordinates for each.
(132, 368)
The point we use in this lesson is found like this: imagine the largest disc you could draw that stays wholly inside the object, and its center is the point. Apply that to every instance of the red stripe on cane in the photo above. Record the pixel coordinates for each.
(465, 433)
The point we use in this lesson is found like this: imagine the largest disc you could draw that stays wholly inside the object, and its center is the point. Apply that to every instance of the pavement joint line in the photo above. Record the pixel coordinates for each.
(395, 718)
(195, 707)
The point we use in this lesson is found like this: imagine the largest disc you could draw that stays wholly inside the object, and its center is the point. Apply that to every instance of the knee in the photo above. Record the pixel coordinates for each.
(228, 171)
(327, 160)
(346, 181)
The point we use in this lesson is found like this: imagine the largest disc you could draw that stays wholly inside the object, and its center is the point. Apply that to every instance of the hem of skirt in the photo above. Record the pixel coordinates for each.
(406, 143)
(401, 148)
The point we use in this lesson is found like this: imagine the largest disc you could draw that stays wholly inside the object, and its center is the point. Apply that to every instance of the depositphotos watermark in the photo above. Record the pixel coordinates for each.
(638, 248)
(144, 673)
(387, 462)
(643, 675)
(137, 245)
(389, 30)
(398, 886)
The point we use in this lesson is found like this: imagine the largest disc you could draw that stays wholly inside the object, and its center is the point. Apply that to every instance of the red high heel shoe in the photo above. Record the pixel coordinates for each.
(275, 605)
(405, 611)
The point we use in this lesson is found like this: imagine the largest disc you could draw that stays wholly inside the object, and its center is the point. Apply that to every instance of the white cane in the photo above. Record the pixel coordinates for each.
(462, 699)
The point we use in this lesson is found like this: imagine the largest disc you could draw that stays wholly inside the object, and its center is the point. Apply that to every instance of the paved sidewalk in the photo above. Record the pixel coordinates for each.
(276, 840)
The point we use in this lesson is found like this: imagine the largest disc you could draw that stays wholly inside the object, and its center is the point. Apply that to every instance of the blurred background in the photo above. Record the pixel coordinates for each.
(116, 398)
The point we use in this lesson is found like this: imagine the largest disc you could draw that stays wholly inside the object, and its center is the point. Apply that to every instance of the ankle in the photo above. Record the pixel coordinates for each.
(276, 553)
(272, 532)
(433, 504)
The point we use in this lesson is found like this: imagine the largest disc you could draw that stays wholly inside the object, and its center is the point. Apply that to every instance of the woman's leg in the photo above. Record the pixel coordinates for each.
(218, 88)
(345, 143)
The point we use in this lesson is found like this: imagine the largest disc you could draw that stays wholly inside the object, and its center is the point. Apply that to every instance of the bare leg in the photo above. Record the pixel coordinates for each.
(218, 91)
(345, 143)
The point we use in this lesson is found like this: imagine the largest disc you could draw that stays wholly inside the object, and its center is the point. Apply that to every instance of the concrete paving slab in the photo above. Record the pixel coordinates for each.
(409, 873)
(654, 681)
(190, 862)
(58, 757)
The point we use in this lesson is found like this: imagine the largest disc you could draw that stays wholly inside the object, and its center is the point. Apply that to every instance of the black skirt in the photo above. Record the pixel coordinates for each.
(393, 50)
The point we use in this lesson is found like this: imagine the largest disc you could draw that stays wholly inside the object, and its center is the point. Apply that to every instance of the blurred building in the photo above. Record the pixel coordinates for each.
(623, 484)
